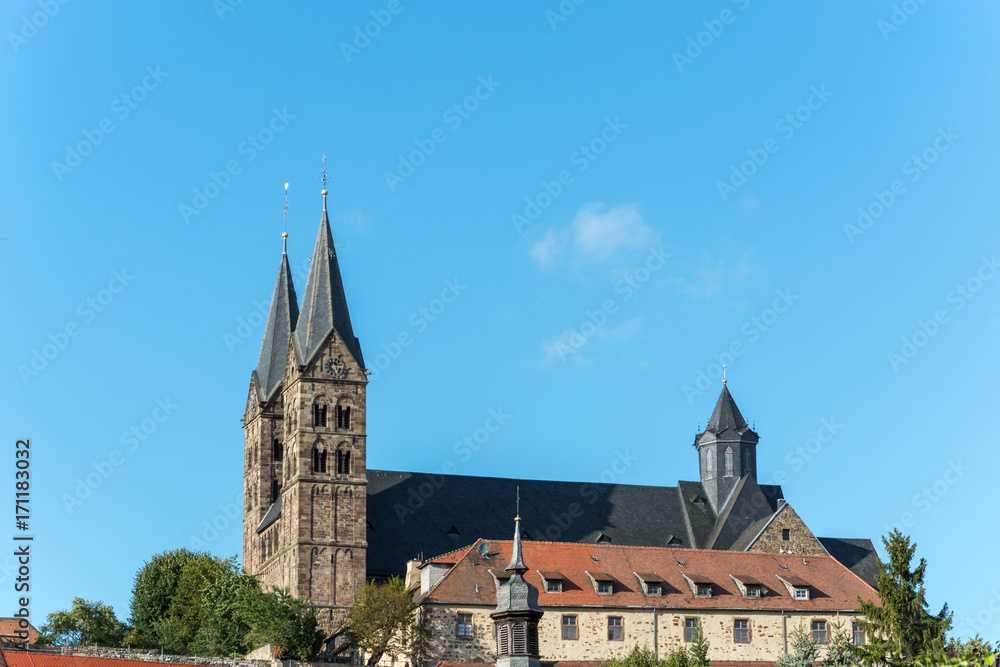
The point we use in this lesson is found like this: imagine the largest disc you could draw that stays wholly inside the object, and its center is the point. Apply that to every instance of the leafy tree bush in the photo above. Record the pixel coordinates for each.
(85, 623)
(383, 620)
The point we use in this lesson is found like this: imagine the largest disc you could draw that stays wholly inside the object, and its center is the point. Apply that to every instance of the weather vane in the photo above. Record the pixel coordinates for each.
(518, 487)
(723, 374)
(323, 178)
(284, 230)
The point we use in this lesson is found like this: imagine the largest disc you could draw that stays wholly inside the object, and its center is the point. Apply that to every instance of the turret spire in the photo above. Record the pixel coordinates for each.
(324, 304)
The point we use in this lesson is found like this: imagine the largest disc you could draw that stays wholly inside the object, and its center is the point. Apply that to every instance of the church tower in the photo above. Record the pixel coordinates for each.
(727, 450)
(308, 532)
(517, 613)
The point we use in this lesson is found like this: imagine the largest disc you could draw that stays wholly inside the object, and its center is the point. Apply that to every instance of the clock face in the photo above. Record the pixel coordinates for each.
(336, 368)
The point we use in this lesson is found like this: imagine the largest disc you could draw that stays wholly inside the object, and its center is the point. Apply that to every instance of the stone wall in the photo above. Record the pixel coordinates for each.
(768, 630)
(800, 539)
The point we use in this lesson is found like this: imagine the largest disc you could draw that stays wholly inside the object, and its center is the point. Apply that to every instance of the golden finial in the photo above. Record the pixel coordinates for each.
(323, 178)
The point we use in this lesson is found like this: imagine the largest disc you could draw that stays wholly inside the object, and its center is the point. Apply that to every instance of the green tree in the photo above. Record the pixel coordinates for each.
(382, 620)
(804, 650)
(841, 651)
(86, 623)
(677, 658)
(152, 594)
(899, 628)
(288, 622)
(698, 651)
(639, 656)
(228, 616)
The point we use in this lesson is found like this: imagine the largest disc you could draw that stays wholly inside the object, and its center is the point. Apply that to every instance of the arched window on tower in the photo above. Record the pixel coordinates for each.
(343, 416)
(710, 463)
(275, 490)
(729, 461)
(278, 451)
(319, 415)
(747, 467)
(343, 462)
(319, 460)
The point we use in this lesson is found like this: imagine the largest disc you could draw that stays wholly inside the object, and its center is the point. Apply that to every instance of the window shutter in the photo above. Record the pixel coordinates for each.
(520, 646)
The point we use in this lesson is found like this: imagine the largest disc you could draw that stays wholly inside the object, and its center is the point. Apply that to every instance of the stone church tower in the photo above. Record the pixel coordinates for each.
(727, 450)
(304, 525)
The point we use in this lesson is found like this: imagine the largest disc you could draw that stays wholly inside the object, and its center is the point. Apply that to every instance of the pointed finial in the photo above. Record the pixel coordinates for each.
(284, 232)
(323, 178)
(517, 516)
(723, 374)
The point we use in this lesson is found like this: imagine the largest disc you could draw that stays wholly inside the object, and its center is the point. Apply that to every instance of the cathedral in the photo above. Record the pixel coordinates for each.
(318, 522)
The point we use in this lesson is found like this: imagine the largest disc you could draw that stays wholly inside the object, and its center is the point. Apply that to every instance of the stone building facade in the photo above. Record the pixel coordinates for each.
(584, 623)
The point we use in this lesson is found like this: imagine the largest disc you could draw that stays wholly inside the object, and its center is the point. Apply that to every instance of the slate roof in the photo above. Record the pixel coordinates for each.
(410, 515)
(833, 586)
(281, 321)
(726, 415)
(324, 304)
(273, 514)
(857, 554)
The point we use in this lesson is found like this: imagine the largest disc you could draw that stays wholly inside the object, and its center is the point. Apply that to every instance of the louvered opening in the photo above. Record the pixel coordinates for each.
(519, 639)
(533, 640)
(503, 640)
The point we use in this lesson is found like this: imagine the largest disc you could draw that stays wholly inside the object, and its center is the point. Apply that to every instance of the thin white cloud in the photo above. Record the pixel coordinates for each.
(596, 235)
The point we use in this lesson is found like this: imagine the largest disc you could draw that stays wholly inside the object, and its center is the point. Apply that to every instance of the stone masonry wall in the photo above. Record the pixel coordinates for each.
(800, 539)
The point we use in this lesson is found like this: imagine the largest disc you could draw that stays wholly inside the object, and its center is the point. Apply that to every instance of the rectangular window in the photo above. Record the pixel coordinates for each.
(616, 632)
(604, 587)
(859, 634)
(801, 593)
(553, 586)
(690, 629)
(753, 592)
(653, 588)
(819, 632)
(569, 627)
(741, 631)
(465, 625)
(786, 534)
(704, 591)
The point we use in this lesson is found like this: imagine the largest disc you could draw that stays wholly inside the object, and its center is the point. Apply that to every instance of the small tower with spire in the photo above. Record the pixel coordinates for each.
(727, 450)
(517, 613)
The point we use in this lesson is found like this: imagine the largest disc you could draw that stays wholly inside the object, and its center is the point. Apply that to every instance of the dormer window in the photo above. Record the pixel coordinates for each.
(753, 592)
(603, 582)
(750, 587)
(553, 580)
(801, 593)
(652, 583)
(700, 585)
(797, 588)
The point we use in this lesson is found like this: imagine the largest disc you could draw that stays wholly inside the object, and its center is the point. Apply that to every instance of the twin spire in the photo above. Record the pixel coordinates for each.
(324, 310)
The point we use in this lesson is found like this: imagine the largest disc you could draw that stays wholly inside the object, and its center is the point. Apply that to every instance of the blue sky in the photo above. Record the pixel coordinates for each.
(674, 173)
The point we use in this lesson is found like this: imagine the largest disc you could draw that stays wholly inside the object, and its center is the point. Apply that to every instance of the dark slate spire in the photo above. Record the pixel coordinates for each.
(324, 305)
(516, 557)
(281, 321)
(726, 415)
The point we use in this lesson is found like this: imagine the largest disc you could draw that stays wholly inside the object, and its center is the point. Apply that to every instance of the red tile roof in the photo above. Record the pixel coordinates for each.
(39, 659)
(834, 587)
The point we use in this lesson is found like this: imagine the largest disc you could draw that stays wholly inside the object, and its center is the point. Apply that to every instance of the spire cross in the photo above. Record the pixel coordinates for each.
(324, 178)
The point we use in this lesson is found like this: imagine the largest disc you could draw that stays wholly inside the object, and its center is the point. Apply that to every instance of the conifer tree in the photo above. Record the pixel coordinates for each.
(900, 630)
(804, 650)
(841, 651)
